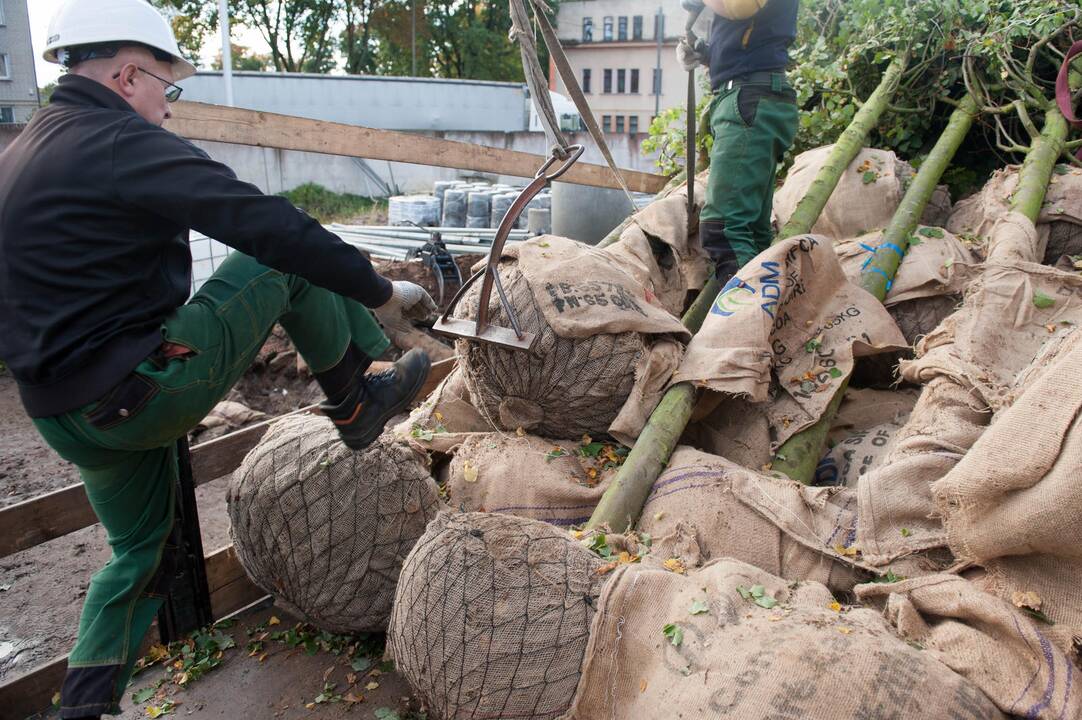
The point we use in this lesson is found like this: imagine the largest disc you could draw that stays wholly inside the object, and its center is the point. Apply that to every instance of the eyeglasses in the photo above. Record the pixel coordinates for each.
(172, 92)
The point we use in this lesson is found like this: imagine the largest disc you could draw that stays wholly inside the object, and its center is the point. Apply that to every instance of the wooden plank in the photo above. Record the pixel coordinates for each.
(230, 588)
(32, 692)
(202, 121)
(55, 514)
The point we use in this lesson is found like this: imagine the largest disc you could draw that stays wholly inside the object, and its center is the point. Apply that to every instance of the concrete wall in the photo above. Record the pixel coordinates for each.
(274, 170)
(391, 103)
(18, 91)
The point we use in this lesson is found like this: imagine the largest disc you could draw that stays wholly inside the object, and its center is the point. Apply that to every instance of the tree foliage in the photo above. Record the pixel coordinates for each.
(445, 38)
(843, 46)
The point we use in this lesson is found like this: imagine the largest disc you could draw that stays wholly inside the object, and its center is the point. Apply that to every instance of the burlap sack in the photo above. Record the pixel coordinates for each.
(857, 455)
(932, 267)
(732, 427)
(603, 352)
(492, 617)
(864, 408)
(790, 313)
(527, 476)
(324, 528)
(1014, 309)
(736, 659)
(660, 251)
(704, 507)
(865, 199)
(1059, 224)
(444, 419)
(1018, 663)
(1013, 501)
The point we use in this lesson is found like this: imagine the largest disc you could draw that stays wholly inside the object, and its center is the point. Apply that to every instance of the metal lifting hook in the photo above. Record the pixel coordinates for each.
(480, 329)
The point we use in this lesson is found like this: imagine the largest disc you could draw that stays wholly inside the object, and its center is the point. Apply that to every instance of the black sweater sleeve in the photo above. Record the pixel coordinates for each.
(160, 173)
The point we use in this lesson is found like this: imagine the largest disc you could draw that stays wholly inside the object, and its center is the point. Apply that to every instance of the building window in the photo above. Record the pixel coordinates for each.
(657, 81)
(635, 81)
(7, 115)
(586, 80)
(607, 30)
(588, 29)
(619, 123)
(2, 21)
(659, 26)
(633, 124)
(636, 27)
(608, 81)
(5, 66)
(621, 28)
(621, 81)
(606, 123)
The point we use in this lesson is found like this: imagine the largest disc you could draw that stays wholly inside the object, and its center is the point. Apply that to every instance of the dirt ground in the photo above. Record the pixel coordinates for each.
(41, 589)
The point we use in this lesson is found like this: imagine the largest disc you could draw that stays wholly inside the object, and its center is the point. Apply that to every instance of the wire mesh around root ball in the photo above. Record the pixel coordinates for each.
(562, 387)
(324, 528)
(492, 617)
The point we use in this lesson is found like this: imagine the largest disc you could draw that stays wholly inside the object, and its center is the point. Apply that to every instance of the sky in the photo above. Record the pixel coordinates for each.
(41, 11)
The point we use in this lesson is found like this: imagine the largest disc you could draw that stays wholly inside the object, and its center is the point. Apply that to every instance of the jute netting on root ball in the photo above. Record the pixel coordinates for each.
(492, 617)
(562, 387)
(324, 528)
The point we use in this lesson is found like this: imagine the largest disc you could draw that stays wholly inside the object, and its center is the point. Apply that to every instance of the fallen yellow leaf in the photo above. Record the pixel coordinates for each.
(675, 565)
(850, 551)
(520, 432)
(352, 699)
(624, 557)
(309, 706)
(438, 415)
(1028, 599)
(607, 568)
(372, 685)
(273, 620)
(577, 534)
(835, 606)
(642, 685)
(469, 472)
(845, 630)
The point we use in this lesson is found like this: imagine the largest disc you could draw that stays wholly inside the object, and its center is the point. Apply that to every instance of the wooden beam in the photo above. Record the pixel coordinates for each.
(55, 514)
(200, 121)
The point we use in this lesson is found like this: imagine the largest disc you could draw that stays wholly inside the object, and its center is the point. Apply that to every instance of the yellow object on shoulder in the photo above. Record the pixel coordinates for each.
(736, 9)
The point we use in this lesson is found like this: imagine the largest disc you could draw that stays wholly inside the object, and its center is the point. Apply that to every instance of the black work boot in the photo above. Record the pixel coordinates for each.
(713, 240)
(378, 397)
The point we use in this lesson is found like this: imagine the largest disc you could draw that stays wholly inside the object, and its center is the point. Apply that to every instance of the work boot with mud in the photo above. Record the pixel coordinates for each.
(377, 398)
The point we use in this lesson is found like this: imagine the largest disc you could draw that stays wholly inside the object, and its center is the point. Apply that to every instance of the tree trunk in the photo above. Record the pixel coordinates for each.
(800, 455)
(623, 501)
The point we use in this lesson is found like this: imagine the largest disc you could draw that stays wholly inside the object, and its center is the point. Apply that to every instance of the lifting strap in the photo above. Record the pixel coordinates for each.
(522, 33)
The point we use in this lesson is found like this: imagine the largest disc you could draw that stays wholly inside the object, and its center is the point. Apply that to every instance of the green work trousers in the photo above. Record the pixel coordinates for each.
(125, 446)
(753, 124)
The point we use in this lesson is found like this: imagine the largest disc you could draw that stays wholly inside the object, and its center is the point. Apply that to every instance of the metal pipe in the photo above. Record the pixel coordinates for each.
(227, 51)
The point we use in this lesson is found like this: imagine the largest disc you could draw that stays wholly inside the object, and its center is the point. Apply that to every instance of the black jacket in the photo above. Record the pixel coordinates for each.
(761, 44)
(95, 208)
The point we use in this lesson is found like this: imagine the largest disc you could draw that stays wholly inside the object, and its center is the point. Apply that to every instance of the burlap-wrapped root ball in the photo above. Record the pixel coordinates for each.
(325, 529)
(492, 617)
(562, 387)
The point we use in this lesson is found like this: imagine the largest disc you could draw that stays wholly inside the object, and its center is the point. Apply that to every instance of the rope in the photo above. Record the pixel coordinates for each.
(535, 80)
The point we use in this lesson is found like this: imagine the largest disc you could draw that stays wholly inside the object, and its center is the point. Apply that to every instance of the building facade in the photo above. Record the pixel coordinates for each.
(18, 81)
(623, 53)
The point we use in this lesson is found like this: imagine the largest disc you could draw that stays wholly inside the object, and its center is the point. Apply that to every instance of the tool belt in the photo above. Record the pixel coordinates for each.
(776, 80)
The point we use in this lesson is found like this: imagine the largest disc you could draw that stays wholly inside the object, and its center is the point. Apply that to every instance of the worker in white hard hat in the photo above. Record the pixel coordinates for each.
(113, 360)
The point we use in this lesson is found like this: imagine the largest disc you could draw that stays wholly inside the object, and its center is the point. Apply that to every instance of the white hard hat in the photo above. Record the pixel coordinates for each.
(98, 22)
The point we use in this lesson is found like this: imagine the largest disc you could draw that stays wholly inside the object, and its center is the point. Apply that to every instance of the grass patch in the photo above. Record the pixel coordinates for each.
(327, 206)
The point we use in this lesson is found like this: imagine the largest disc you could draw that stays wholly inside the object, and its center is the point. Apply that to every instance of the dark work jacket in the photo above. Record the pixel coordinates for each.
(760, 44)
(95, 208)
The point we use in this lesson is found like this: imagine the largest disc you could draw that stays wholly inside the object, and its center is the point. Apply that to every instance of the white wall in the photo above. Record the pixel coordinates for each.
(274, 170)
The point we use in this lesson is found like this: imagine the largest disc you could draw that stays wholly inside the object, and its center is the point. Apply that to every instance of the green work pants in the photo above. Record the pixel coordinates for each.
(125, 446)
(753, 124)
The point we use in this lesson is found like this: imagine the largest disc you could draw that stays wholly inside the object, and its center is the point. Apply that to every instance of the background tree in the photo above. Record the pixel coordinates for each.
(244, 59)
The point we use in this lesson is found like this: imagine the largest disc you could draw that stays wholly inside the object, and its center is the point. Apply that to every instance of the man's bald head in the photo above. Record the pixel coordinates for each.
(130, 74)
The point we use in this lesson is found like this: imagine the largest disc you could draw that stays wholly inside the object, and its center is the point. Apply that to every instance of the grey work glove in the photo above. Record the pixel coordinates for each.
(409, 303)
(690, 56)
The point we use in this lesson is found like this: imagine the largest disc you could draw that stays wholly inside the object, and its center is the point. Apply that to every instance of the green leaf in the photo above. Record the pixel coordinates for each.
(141, 696)
(1038, 615)
(386, 713)
(555, 453)
(744, 592)
(600, 546)
(813, 344)
(932, 232)
(675, 634)
(698, 607)
(906, 532)
(835, 373)
(591, 450)
(360, 664)
(1042, 301)
(887, 578)
(1061, 170)
(869, 177)
(766, 602)
(757, 591)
